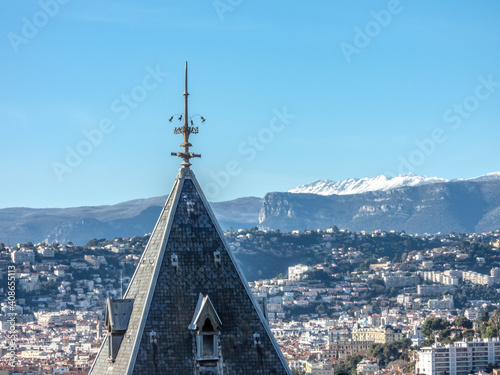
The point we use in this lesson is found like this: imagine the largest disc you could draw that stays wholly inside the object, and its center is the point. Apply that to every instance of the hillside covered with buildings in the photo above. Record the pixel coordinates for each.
(337, 301)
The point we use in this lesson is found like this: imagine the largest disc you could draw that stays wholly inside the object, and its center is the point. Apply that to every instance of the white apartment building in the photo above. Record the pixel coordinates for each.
(54, 319)
(445, 304)
(23, 255)
(319, 368)
(459, 358)
(473, 314)
(295, 272)
(478, 278)
(427, 290)
(338, 334)
(46, 252)
(400, 280)
(367, 366)
(404, 298)
(440, 278)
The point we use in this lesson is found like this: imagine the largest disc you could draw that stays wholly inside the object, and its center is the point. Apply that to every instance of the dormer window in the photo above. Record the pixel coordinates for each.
(207, 326)
(118, 313)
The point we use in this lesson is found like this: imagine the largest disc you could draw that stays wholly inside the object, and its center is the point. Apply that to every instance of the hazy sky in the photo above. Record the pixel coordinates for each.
(292, 92)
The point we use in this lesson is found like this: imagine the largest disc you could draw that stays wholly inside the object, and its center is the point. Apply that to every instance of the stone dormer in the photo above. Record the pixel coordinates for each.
(117, 317)
(206, 327)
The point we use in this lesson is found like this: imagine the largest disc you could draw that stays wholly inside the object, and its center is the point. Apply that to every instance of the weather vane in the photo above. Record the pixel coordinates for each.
(187, 129)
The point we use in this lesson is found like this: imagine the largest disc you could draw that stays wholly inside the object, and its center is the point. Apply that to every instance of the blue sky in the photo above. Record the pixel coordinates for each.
(292, 92)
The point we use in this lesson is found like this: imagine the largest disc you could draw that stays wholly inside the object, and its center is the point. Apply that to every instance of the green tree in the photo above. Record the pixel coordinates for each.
(375, 350)
(432, 326)
(468, 334)
(317, 275)
(297, 371)
(92, 242)
(320, 309)
(386, 353)
(495, 319)
(348, 366)
(490, 332)
(463, 322)
(427, 342)
(444, 334)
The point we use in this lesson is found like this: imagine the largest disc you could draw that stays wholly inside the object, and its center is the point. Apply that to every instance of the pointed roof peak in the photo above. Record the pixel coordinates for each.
(186, 275)
(188, 128)
(186, 285)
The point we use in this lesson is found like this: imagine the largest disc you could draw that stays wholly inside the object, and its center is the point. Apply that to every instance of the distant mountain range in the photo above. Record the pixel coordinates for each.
(127, 219)
(416, 204)
(363, 185)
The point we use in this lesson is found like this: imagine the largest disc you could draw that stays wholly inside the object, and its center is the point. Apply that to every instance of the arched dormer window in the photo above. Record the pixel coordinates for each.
(206, 324)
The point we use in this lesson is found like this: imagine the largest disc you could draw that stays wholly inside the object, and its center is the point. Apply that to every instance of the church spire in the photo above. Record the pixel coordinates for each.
(187, 128)
(188, 308)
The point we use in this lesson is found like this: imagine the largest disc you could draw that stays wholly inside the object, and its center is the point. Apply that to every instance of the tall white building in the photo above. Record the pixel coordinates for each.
(459, 358)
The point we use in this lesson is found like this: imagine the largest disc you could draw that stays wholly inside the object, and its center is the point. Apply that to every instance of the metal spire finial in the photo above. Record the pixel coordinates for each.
(186, 129)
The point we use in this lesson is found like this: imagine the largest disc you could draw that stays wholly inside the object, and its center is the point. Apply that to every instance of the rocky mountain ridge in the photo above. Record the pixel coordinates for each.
(415, 204)
(453, 206)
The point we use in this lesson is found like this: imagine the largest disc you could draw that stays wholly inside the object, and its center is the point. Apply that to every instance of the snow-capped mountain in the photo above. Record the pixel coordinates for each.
(415, 204)
(378, 183)
(363, 185)
(487, 177)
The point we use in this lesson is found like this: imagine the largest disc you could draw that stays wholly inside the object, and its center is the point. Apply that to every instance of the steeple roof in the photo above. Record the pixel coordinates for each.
(188, 308)
(188, 255)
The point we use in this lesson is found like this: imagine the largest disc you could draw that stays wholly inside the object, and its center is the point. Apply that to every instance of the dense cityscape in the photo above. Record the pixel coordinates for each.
(234, 187)
(337, 303)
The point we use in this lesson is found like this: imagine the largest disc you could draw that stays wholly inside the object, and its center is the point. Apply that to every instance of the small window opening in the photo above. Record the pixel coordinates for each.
(208, 346)
(217, 258)
(208, 339)
(207, 327)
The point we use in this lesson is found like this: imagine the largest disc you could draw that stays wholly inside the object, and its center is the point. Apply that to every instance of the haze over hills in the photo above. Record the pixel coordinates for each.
(416, 204)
